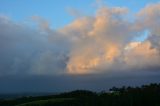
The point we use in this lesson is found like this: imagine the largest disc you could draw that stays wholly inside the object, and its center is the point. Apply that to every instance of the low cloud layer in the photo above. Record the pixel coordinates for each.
(100, 43)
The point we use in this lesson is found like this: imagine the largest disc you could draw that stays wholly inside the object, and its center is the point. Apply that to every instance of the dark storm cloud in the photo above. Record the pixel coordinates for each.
(61, 83)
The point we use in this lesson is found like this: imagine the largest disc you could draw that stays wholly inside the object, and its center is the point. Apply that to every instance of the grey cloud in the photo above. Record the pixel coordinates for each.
(22, 46)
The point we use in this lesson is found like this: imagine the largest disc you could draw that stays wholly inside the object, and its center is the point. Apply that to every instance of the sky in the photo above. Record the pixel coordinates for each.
(59, 45)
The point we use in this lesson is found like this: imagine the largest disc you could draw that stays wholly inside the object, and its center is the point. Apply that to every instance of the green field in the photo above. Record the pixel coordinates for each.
(46, 102)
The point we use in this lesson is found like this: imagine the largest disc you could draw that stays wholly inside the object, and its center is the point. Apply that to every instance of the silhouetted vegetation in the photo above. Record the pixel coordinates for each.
(146, 95)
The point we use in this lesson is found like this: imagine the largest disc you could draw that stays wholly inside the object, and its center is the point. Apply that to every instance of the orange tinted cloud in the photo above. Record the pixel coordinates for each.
(104, 41)
(142, 55)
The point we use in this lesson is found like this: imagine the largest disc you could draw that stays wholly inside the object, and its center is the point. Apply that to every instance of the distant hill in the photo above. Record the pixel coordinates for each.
(25, 94)
(146, 95)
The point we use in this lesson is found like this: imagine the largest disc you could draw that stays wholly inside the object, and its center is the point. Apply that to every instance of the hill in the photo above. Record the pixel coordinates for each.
(146, 95)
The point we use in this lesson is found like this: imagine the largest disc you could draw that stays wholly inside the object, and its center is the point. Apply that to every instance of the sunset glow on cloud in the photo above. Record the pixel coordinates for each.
(105, 40)
(89, 44)
(65, 45)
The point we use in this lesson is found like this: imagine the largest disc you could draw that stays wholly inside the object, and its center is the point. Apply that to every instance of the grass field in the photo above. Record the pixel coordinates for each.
(48, 101)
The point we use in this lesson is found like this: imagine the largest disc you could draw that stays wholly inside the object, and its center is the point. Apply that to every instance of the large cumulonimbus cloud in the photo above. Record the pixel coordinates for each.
(104, 42)
(89, 44)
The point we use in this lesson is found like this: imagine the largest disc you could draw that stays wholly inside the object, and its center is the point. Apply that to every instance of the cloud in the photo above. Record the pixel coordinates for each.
(99, 40)
(91, 52)
(101, 43)
(142, 56)
(148, 17)
(25, 50)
